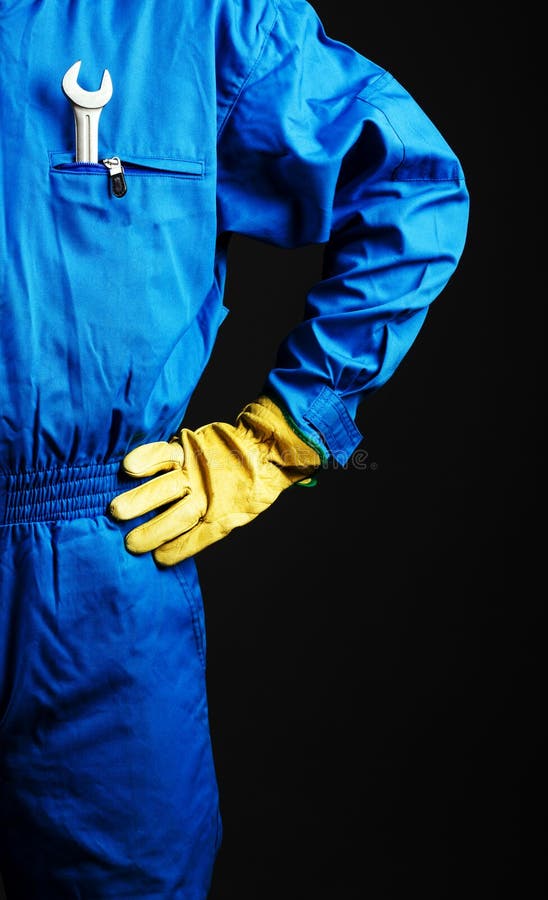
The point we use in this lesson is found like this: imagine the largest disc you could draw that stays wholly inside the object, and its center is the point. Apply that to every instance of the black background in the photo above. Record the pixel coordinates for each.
(373, 666)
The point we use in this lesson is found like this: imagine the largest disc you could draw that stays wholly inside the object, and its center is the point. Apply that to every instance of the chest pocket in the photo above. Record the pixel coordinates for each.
(150, 251)
(167, 200)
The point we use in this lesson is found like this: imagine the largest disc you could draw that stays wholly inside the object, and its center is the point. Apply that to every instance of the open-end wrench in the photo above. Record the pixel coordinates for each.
(87, 107)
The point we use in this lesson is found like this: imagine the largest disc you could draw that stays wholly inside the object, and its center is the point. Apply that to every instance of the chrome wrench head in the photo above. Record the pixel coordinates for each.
(87, 107)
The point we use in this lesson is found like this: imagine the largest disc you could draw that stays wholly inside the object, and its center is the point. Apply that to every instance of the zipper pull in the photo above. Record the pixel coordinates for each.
(117, 177)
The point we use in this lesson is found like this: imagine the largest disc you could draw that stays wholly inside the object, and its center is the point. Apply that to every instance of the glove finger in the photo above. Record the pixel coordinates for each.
(146, 497)
(185, 545)
(198, 538)
(149, 459)
(166, 526)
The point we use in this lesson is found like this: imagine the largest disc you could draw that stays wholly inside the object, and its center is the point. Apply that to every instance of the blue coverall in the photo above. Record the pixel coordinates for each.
(231, 116)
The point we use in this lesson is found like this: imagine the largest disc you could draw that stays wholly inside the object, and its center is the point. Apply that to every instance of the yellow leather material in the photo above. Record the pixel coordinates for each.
(213, 479)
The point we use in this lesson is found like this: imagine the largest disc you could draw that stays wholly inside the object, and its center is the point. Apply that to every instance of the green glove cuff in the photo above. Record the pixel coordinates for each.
(307, 482)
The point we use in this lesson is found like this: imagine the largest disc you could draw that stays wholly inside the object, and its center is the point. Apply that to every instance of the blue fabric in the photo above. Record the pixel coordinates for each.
(230, 118)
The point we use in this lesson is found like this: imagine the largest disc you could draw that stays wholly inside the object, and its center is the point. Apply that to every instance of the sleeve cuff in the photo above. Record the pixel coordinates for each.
(325, 424)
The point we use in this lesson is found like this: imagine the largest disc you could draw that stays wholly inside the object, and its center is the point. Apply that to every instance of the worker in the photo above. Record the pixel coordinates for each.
(210, 119)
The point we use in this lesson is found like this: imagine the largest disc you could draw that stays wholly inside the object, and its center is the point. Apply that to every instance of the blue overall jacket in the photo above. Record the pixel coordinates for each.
(230, 117)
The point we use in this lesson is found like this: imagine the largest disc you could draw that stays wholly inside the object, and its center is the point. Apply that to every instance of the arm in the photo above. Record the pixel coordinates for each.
(323, 146)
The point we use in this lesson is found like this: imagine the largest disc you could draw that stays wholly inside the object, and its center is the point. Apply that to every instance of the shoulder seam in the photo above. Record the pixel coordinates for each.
(245, 81)
(375, 86)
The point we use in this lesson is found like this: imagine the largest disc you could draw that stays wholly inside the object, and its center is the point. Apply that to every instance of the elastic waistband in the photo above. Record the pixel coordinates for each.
(64, 492)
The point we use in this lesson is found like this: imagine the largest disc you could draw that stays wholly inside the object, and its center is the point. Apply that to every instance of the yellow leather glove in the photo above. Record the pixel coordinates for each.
(215, 479)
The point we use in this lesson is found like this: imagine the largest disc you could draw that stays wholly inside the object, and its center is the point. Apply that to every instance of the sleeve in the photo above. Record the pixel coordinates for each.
(323, 146)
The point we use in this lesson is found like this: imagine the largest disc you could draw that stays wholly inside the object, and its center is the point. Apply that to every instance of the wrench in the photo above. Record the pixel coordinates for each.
(87, 107)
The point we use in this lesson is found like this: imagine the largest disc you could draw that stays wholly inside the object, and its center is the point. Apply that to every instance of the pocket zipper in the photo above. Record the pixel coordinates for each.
(113, 166)
(118, 182)
(117, 168)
